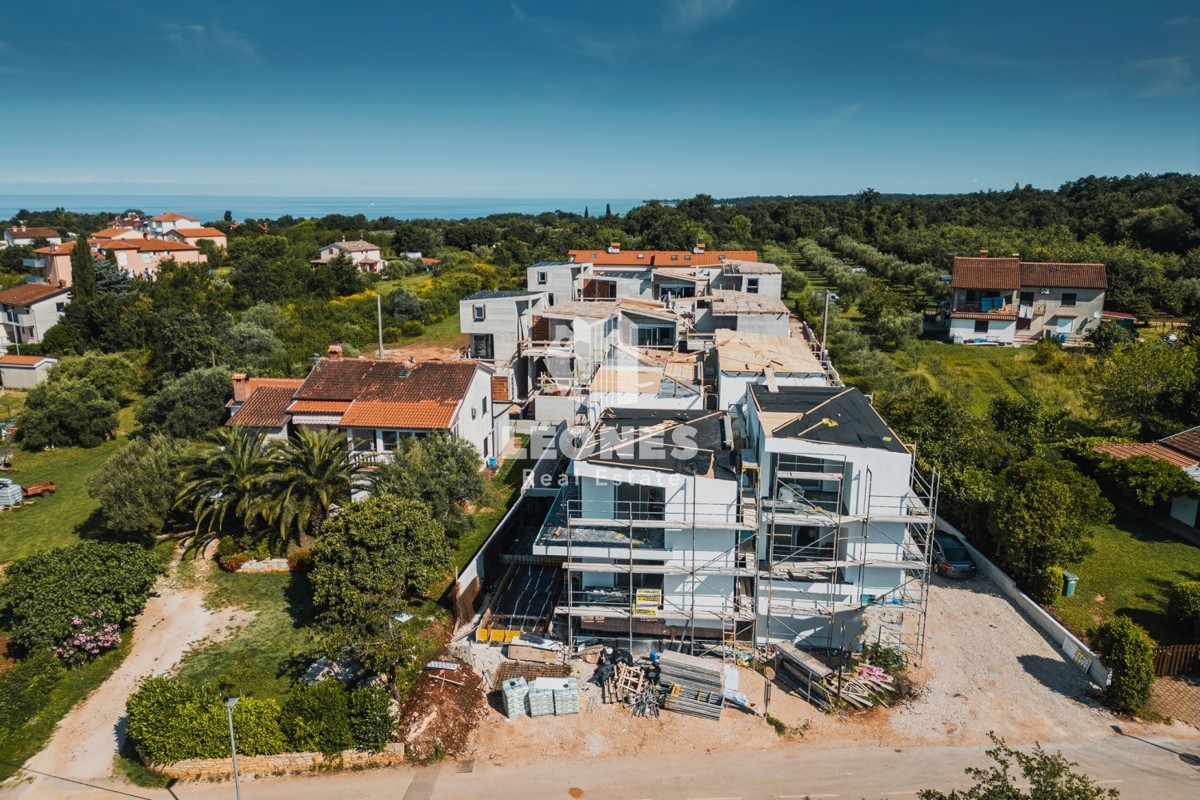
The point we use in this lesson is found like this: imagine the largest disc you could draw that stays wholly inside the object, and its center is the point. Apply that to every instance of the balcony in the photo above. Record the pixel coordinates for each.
(547, 348)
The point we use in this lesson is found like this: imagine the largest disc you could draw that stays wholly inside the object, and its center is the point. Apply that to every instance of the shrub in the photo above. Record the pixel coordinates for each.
(889, 659)
(43, 593)
(1045, 584)
(412, 328)
(300, 561)
(1127, 651)
(227, 546)
(372, 723)
(169, 720)
(91, 635)
(234, 562)
(1183, 607)
(25, 688)
(317, 717)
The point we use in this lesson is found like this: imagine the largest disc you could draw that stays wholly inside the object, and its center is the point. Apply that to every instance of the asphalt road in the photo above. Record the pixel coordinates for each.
(1137, 768)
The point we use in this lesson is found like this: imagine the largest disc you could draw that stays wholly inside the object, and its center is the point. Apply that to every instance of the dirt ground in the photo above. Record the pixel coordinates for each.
(445, 707)
(85, 741)
(419, 352)
(986, 669)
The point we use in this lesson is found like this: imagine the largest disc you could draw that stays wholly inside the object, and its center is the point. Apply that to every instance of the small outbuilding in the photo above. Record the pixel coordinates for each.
(24, 372)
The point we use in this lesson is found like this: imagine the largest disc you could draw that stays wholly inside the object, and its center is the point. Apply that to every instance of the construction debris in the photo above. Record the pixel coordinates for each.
(647, 702)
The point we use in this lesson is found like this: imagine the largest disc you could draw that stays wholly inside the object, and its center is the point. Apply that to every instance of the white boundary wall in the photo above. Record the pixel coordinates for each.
(1073, 649)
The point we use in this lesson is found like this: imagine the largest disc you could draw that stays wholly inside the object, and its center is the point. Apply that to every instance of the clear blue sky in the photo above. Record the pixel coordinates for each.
(624, 98)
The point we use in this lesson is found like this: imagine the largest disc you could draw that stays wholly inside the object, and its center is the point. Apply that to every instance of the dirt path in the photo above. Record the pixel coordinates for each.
(83, 745)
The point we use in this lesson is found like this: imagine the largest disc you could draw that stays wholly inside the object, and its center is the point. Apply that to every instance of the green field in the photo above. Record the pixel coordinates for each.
(265, 657)
(1134, 563)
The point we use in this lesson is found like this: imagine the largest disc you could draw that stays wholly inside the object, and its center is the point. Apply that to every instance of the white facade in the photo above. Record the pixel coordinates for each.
(24, 372)
(978, 331)
(26, 322)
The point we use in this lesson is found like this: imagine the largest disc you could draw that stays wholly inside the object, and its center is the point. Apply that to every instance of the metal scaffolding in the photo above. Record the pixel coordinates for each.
(820, 540)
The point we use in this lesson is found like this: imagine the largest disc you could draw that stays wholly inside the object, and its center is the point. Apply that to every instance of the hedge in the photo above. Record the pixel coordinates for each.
(43, 593)
(170, 720)
(1183, 607)
(25, 689)
(1128, 652)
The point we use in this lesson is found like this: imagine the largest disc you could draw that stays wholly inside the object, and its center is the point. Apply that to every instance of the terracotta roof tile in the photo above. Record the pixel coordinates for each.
(996, 315)
(267, 407)
(1186, 442)
(356, 246)
(1152, 449)
(34, 233)
(171, 216)
(387, 394)
(1065, 276)
(660, 258)
(56, 249)
(25, 361)
(25, 293)
(201, 233)
(986, 273)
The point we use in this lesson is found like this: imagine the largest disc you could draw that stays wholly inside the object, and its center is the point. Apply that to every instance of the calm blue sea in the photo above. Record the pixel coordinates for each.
(214, 207)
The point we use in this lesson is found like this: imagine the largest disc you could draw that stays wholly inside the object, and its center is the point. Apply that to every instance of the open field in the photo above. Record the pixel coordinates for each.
(1133, 564)
(58, 520)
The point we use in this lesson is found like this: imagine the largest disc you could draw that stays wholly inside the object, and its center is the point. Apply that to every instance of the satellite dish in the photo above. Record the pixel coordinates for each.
(1097, 314)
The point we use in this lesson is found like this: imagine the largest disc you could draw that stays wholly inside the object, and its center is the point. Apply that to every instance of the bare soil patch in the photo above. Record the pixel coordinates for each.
(441, 715)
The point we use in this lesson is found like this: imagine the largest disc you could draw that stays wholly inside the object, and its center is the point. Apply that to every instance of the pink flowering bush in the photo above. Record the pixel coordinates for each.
(90, 636)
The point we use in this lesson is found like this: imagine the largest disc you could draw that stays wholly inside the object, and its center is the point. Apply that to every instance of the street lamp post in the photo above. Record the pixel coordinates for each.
(825, 320)
(237, 785)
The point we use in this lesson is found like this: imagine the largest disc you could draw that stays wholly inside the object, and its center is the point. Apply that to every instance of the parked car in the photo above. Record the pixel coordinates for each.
(950, 557)
(40, 489)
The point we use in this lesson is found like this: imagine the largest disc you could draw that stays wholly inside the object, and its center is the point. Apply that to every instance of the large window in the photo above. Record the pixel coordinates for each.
(362, 440)
(1069, 298)
(752, 285)
(640, 502)
(482, 346)
(981, 326)
(391, 440)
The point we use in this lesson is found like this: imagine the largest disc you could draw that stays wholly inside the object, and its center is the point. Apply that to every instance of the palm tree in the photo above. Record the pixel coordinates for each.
(221, 475)
(308, 474)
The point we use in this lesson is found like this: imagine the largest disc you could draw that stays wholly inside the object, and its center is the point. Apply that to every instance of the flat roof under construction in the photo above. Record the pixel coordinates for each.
(831, 414)
(688, 442)
(740, 351)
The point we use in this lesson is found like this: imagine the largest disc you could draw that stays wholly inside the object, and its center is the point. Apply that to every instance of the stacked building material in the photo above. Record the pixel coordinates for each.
(692, 685)
(541, 699)
(566, 696)
(516, 693)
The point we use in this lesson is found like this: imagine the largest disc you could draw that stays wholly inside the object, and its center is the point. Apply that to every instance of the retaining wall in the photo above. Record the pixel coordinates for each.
(266, 565)
(1071, 645)
(222, 768)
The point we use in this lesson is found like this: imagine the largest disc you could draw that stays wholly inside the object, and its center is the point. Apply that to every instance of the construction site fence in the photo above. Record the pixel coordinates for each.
(1072, 647)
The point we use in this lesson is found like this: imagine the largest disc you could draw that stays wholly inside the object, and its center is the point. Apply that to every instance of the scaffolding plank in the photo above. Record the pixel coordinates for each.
(811, 476)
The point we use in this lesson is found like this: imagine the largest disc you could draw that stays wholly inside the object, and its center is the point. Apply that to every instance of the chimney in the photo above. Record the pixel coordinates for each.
(983, 253)
(241, 387)
(699, 248)
(335, 352)
(614, 246)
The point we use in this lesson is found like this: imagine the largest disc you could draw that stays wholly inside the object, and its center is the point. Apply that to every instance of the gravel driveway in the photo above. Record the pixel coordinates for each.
(989, 669)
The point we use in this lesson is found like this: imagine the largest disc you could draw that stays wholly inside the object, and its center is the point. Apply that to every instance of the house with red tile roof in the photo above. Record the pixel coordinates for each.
(367, 255)
(22, 235)
(28, 310)
(54, 262)
(1179, 450)
(1010, 301)
(379, 403)
(141, 257)
(164, 223)
(194, 235)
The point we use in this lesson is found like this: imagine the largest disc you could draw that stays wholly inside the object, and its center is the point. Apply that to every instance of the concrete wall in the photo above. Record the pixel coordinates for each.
(284, 763)
(731, 386)
(769, 324)
(1186, 509)
(999, 330)
(24, 378)
(1073, 648)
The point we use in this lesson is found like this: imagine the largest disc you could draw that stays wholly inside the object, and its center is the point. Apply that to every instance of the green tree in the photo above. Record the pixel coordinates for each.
(1143, 480)
(403, 306)
(61, 340)
(441, 471)
(137, 485)
(220, 476)
(1027, 423)
(368, 561)
(317, 717)
(116, 376)
(1048, 777)
(1146, 387)
(1108, 336)
(189, 406)
(345, 275)
(1128, 652)
(185, 341)
(61, 413)
(83, 275)
(249, 346)
(309, 473)
(1183, 607)
(1041, 519)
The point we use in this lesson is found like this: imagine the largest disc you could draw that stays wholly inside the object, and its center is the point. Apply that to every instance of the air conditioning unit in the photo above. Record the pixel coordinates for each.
(1045, 291)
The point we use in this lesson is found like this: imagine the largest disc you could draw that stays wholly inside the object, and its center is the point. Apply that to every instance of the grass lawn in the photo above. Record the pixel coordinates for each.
(502, 491)
(58, 520)
(264, 658)
(1133, 564)
(16, 746)
(977, 375)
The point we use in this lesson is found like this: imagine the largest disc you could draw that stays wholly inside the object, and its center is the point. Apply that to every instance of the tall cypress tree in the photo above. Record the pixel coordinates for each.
(83, 273)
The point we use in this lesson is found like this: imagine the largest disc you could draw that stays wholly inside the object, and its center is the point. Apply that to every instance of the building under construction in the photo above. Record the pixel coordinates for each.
(798, 518)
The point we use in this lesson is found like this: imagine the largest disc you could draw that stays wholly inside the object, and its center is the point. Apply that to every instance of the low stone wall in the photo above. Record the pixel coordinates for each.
(283, 763)
(266, 565)
(1071, 645)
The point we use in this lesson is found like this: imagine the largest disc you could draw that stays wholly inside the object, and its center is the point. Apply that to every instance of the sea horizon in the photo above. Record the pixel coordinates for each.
(213, 207)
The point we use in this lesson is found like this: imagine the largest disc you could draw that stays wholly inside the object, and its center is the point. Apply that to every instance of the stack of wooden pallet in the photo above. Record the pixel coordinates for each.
(692, 685)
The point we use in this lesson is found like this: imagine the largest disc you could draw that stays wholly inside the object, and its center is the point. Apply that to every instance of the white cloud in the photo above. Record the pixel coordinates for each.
(687, 15)
(1186, 23)
(937, 49)
(1165, 77)
(195, 39)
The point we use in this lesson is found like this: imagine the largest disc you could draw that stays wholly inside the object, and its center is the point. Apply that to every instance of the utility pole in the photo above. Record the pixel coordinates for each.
(379, 322)
(825, 324)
